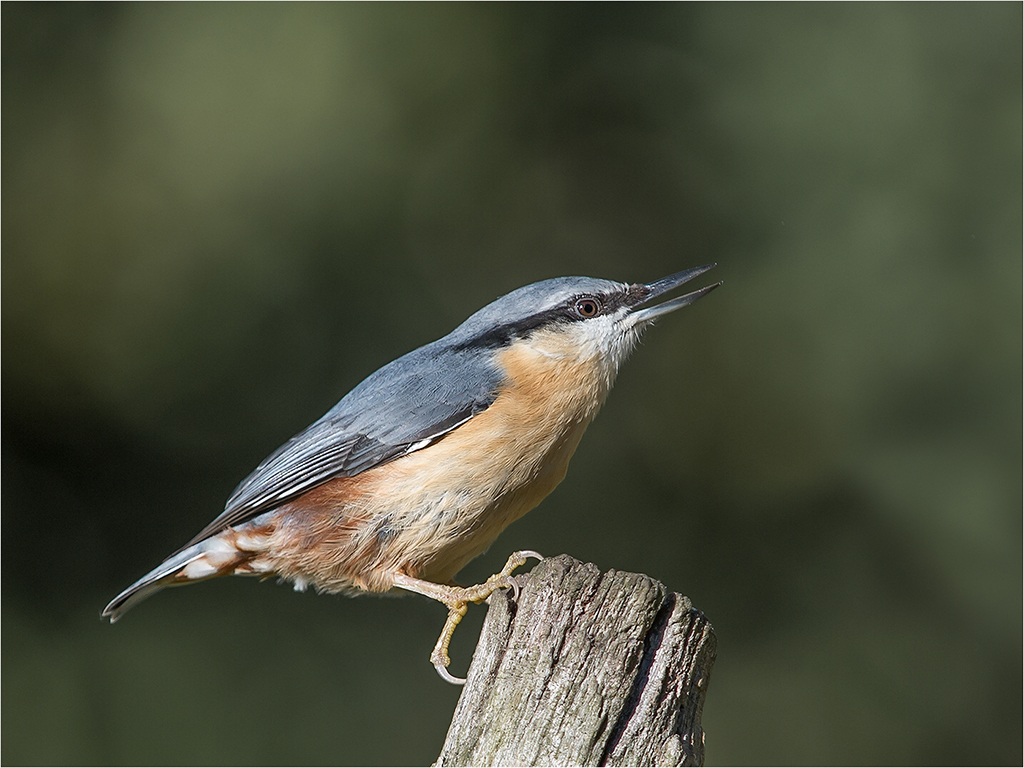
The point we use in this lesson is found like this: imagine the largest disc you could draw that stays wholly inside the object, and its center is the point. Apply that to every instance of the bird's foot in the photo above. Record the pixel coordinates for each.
(457, 600)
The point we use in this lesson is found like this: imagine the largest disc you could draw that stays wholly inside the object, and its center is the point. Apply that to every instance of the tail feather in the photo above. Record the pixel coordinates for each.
(200, 561)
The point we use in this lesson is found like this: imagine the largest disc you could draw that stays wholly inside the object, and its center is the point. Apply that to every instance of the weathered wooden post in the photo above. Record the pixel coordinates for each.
(585, 669)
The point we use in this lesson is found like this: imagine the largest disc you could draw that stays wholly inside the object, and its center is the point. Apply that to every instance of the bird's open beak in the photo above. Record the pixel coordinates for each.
(657, 288)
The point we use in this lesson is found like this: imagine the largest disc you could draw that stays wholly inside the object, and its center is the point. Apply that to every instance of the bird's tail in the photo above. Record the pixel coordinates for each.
(217, 556)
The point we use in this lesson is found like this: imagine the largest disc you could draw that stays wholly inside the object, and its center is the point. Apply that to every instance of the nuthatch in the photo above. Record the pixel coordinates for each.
(418, 469)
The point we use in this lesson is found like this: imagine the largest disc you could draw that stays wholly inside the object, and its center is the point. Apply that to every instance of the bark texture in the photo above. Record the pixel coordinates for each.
(585, 669)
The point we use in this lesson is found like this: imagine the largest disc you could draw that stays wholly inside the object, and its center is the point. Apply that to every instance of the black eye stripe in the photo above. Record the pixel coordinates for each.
(567, 311)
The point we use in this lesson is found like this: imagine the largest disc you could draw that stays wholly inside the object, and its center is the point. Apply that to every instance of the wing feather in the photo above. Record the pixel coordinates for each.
(403, 407)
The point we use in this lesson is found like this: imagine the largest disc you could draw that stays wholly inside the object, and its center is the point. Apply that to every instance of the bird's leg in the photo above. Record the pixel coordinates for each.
(457, 600)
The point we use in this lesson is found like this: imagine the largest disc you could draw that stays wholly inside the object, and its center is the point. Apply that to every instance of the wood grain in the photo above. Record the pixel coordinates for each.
(587, 668)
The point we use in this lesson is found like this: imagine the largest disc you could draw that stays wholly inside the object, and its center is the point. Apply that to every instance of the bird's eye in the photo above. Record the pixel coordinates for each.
(588, 307)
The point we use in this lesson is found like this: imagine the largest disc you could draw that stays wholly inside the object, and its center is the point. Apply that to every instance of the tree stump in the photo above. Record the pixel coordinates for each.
(585, 669)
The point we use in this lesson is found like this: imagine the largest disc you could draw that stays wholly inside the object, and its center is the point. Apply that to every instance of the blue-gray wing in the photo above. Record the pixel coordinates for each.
(403, 407)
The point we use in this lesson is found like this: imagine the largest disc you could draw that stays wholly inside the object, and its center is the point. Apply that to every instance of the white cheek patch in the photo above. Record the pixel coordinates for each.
(547, 353)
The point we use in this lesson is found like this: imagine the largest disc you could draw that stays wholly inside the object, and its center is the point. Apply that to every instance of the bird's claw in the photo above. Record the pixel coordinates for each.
(458, 604)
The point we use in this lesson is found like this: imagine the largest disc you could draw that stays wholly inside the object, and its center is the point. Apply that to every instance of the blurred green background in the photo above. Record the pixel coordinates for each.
(219, 218)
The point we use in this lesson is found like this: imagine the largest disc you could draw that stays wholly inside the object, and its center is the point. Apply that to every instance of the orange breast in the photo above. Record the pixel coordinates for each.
(429, 513)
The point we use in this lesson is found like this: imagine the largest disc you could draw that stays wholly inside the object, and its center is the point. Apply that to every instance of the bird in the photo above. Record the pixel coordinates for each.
(421, 466)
